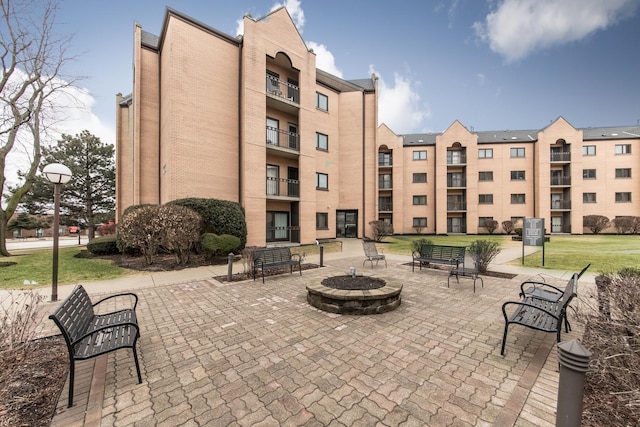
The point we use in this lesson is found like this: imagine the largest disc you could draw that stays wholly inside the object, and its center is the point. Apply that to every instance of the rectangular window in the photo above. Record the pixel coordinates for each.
(517, 199)
(485, 176)
(623, 173)
(588, 197)
(420, 155)
(517, 175)
(588, 174)
(419, 222)
(322, 141)
(322, 221)
(623, 197)
(322, 181)
(485, 199)
(623, 148)
(322, 102)
(485, 153)
(419, 200)
(588, 150)
(419, 177)
(482, 221)
(517, 152)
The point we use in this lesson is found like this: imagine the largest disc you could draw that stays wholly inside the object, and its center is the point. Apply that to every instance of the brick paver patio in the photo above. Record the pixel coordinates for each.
(248, 354)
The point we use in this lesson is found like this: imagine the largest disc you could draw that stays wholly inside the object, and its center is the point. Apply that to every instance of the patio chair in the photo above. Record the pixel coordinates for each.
(371, 252)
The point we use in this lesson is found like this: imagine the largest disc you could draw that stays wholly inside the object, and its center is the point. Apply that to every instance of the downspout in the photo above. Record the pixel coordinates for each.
(364, 145)
(240, 172)
(535, 200)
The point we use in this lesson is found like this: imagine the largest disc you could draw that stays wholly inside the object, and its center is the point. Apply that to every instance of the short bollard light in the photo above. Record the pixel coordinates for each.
(352, 272)
(574, 362)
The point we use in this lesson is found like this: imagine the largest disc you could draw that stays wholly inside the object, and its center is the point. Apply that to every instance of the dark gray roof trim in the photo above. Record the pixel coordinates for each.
(149, 40)
(528, 136)
(338, 84)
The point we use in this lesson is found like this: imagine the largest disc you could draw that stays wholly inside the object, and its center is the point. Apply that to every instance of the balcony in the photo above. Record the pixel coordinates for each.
(283, 233)
(283, 91)
(385, 207)
(560, 180)
(560, 205)
(560, 156)
(456, 182)
(282, 139)
(385, 163)
(456, 158)
(457, 206)
(283, 189)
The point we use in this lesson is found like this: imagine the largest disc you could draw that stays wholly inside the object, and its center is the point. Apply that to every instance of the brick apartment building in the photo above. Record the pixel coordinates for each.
(252, 120)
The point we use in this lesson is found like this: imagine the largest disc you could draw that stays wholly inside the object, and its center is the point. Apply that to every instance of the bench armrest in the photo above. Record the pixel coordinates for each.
(536, 284)
(103, 328)
(124, 294)
(524, 304)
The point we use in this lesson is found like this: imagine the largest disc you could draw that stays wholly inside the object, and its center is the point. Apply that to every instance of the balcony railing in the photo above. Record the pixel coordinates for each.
(456, 158)
(385, 207)
(385, 163)
(561, 204)
(456, 182)
(282, 233)
(282, 138)
(281, 89)
(456, 206)
(560, 180)
(560, 156)
(281, 187)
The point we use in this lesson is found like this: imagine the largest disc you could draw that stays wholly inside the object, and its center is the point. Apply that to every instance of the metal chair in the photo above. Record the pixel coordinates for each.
(371, 252)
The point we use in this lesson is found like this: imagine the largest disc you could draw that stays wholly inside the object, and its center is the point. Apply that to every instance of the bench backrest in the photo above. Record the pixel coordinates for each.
(570, 291)
(74, 315)
(370, 249)
(442, 252)
(271, 255)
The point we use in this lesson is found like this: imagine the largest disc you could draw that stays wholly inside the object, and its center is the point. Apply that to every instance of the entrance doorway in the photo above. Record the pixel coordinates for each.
(347, 224)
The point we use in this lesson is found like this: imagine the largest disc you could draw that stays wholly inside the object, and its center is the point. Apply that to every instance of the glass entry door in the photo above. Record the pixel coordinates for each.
(347, 224)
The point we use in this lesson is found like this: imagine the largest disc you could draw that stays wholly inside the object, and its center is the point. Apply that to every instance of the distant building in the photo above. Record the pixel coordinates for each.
(252, 120)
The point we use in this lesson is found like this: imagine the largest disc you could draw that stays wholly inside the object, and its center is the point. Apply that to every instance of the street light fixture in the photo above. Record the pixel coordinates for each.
(58, 175)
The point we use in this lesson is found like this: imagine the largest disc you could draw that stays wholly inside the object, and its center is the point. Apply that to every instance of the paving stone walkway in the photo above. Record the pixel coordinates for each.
(248, 354)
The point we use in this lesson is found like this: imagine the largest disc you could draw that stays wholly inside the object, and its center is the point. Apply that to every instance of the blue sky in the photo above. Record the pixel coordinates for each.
(493, 65)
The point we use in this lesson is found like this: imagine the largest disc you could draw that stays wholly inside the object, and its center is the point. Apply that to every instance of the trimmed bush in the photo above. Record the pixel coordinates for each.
(415, 245)
(141, 229)
(222, 245)
(595, 223)
(483, 252)
(105, 245)
(180, 230)
(134, 207)
(218, 216)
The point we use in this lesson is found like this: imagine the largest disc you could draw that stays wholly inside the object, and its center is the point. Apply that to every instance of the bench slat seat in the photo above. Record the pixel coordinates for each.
(542, 314)
(439, 254)
(273, 258)
(89, 335)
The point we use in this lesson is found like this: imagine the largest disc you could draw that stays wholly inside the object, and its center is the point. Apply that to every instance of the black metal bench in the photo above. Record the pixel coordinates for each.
(466, 272)
(274, 258)
(88, 334)
(438, 254)
(540, 313)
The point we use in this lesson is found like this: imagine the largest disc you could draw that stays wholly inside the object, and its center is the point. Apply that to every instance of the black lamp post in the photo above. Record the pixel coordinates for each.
(58, 175)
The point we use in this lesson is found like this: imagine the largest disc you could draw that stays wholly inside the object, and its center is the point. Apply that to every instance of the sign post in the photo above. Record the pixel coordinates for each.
(533, 234)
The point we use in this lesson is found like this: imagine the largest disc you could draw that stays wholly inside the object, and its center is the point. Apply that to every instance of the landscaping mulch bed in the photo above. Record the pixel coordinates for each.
(498, 274)
(31, 382)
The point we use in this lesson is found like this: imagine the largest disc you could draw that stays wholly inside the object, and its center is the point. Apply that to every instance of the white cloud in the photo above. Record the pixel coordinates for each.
(295, 10)
(516, 28)
(324, 59)
(399, 104)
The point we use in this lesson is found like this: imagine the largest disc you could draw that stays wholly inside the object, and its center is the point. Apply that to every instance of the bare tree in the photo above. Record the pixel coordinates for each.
(595, 223)
(33, 56)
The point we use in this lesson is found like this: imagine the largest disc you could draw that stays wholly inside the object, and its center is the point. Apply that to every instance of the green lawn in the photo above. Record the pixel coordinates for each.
(36, 266)
(606, 253)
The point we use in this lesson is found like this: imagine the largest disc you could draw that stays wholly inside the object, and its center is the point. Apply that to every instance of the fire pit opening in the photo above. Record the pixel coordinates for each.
(353, 283)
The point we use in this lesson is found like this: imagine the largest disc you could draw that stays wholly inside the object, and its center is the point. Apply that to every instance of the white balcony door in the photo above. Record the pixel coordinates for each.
(273, 175)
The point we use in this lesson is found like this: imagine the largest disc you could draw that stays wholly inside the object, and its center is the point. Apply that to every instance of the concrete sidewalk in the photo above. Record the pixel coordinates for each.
(245, 353)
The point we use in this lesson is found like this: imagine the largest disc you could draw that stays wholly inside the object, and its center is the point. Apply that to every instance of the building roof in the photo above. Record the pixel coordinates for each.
(497, 136)
(618, 132)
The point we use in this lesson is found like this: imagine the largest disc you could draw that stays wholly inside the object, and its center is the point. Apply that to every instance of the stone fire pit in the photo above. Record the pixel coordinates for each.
(354, 295)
